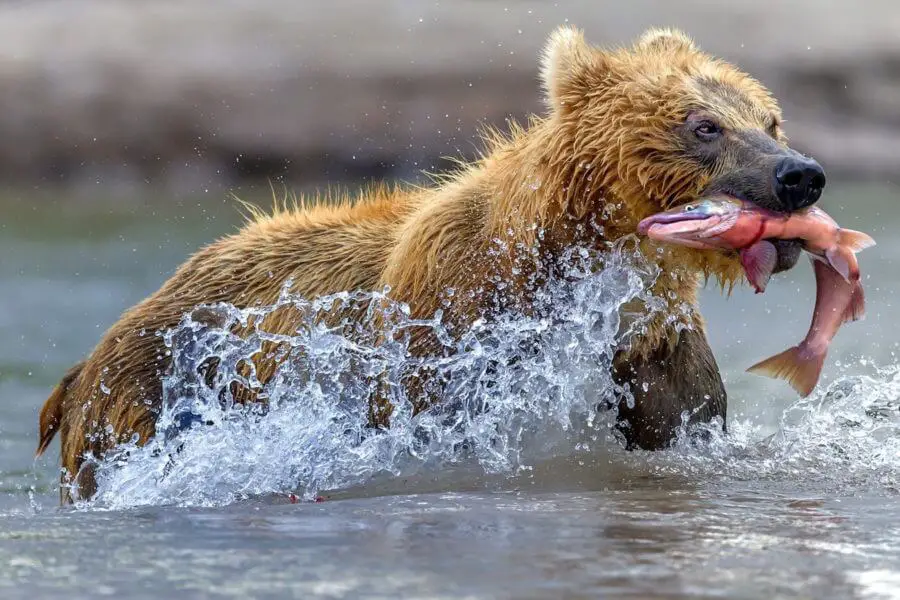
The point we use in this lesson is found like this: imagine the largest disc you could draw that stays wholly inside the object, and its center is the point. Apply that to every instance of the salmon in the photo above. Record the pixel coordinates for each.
(725, 223)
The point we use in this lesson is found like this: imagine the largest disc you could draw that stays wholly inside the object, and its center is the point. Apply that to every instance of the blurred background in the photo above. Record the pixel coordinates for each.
(111, 96)
(124, 127)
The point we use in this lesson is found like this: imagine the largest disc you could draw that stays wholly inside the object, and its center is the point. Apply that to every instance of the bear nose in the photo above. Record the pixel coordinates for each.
(798, 181)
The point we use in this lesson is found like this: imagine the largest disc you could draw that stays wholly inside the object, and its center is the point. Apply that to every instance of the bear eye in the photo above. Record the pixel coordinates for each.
(707, 131)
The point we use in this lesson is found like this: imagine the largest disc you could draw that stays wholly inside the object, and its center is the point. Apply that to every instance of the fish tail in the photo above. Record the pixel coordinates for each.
(796, 365)
(856, 309)
(854, 240)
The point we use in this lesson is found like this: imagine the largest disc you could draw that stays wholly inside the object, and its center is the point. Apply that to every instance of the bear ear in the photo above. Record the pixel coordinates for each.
(568, 65)
(662, 39)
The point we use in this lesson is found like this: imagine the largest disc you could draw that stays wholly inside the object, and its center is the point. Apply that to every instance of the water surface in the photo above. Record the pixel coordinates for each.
(798, 501)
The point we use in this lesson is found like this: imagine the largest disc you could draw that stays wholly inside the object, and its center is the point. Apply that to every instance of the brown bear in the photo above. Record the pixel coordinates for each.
(628, 132)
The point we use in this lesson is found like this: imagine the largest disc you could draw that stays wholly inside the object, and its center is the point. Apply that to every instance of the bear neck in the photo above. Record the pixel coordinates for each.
(542, 196)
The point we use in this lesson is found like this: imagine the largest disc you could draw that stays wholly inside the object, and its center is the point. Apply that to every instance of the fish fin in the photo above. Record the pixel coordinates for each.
(759, 262)
(815, 258)
(856, 241)
(795, 365)
(857, 308)
(838, 262)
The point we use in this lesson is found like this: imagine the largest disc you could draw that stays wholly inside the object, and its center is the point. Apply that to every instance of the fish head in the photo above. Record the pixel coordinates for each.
(698, 224)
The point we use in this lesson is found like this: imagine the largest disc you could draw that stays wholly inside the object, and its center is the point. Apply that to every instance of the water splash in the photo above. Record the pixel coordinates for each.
(843, 437)
(520, 382)
(515, 391)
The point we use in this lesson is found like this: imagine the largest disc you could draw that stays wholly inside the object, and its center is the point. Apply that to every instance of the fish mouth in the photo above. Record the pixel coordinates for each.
(690, 224)
(661, 220)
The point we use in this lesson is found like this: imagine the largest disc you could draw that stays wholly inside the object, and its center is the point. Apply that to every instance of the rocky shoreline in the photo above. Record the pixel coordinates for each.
(114, 94)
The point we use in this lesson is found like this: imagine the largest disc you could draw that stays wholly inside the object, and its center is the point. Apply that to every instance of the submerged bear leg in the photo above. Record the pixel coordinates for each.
(668, 383)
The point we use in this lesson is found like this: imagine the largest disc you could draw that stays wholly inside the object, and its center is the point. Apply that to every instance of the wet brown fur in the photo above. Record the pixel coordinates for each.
(605, 153)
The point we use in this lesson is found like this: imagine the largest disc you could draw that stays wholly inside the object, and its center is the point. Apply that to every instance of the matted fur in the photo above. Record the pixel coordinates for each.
(604, 154)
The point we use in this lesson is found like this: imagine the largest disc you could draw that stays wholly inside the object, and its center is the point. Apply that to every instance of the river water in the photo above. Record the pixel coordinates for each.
(797, 501)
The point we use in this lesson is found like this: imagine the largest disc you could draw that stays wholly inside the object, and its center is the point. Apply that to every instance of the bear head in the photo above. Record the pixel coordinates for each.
(662, 123)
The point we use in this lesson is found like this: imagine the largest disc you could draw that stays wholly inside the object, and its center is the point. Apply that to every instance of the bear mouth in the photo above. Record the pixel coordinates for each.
(787, 251)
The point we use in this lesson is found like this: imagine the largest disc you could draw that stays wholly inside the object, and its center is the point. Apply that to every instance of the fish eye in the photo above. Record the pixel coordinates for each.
(689, 207)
